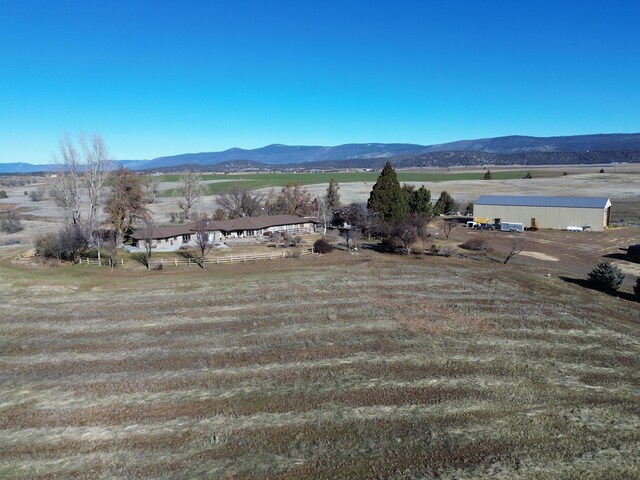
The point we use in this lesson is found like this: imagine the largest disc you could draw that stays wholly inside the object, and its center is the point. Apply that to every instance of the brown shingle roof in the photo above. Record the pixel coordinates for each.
(244, 223)
(165, 232)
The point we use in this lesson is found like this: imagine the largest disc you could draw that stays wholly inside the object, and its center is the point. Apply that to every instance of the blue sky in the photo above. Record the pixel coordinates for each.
(168, 77)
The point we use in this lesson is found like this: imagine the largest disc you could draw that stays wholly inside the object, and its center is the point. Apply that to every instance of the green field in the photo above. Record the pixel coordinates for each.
(338, 367)
(265, 180)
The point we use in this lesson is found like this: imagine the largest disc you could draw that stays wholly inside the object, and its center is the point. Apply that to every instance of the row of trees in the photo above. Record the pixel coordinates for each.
(393, 202)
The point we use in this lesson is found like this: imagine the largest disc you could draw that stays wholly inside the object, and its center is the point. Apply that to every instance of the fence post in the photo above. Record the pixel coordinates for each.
(122, 261)
(189, 258)
(161, 261)
(175, 262)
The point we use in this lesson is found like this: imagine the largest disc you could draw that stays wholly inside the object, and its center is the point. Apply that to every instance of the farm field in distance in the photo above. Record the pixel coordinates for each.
(222, 182)
(344, 366)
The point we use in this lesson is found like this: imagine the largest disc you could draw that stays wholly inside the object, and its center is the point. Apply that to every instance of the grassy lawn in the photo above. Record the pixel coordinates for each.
(344, 366)
(265, 180)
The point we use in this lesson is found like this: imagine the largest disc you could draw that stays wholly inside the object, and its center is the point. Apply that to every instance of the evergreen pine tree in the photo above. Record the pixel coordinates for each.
(606, 277)
(445, 204)
(420, 201)
(332, 198)
(387, 198)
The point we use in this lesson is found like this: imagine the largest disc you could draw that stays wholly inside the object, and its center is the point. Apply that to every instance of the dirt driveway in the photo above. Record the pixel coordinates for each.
(571, 253)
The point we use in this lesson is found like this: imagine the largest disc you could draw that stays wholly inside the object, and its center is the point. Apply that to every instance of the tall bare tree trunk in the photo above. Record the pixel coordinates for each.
(68, 188)
(80, 172)
(97, 168)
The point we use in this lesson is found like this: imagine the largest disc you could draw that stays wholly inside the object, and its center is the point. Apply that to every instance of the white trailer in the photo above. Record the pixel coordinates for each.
(511, 227)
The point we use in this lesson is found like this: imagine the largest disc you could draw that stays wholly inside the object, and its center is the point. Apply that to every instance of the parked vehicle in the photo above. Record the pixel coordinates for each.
(481, 223)
(511, 227)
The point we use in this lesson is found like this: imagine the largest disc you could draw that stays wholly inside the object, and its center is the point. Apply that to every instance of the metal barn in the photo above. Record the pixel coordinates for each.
(546, 212)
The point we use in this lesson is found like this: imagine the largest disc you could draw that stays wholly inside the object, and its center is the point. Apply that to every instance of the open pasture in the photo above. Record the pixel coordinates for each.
(217, 183)
(346, 366)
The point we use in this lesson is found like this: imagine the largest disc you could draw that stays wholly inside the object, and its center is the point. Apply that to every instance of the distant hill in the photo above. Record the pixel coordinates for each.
(285, 155)
(23, 168)
(282, 155)
(600, 148)
(518, 144)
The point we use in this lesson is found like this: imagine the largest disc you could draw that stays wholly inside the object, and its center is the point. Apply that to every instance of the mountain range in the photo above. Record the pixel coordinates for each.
(599, 148)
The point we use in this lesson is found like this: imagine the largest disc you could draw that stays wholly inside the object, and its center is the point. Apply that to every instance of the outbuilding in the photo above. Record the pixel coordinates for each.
(546, 212)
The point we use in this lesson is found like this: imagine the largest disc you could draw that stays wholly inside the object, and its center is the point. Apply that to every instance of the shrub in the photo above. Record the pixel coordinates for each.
(47, 246)
(68, 244)
(3, 194)
(477, 245)
(175, 217)
(37, 195)
(322, 246)
(446, 251)
(10, 222)
(636, 289)
(606, 277)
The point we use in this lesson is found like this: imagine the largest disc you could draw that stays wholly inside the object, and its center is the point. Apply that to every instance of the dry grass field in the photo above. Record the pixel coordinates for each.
(345, 366)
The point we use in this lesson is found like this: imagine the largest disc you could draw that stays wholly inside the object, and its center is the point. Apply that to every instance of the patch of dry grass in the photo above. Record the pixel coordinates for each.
(339, 367)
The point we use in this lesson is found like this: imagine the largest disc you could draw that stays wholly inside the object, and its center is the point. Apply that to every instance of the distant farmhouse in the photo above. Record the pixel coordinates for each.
(174, 236)
(547, 212)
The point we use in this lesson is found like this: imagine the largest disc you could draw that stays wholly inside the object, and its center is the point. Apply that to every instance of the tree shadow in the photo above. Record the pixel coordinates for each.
(622, 256)
(140, 258)
(584, 283)
(187, 254)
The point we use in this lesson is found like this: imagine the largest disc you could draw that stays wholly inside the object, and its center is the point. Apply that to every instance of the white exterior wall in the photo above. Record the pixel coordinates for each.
(547, 217)
(162, 242)
(296, 226)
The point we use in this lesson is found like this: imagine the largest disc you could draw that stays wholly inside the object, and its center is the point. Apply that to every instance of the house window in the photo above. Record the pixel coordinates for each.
(186, 238)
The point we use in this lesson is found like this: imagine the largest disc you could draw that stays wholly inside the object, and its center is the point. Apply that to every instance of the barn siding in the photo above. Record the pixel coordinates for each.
(547, 217)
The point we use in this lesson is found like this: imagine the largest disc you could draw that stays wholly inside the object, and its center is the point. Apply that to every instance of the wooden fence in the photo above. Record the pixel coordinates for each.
(175, 262)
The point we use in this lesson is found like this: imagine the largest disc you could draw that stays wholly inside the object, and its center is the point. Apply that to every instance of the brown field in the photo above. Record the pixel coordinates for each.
(344, 366)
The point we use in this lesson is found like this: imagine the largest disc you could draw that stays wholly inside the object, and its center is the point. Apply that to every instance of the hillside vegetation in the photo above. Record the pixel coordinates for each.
(346, 366)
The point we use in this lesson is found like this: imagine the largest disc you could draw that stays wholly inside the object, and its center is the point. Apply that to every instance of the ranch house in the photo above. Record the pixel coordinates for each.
(174, 236)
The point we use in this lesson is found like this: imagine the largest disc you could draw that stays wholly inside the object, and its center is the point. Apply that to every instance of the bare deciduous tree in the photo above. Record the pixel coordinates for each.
(321, 212)
(190, 190)
(72, 241)
(448, 226)
(109, 244)
(363, 217)
(68, 188)
(10, 221)
(407, 233)
(97, 168)
(517, 245)
(152, 187)
(240, 203)
(202, 229)
(78, 172)
(351, 236)
(293, 199)
(148, 230)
